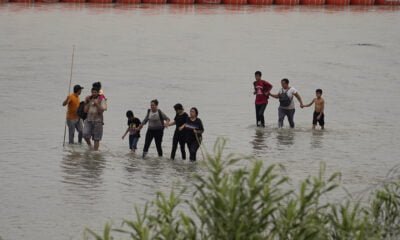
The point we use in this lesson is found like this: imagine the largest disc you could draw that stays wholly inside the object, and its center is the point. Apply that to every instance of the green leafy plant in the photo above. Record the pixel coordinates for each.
(258, 202)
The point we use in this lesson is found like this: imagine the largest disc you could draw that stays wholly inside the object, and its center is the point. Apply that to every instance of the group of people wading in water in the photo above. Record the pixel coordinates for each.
(87, 118)
(262, 90)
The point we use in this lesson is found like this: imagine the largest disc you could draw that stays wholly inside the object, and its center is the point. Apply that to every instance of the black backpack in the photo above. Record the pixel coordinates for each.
(81, 111)
(284, 99)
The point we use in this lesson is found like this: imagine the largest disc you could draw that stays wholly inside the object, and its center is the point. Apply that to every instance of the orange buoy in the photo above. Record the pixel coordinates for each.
(181, 1)
(129, 1)
(338, 2)
(99, 1)
(312, 2)
(234, 2)
(22, 1)
(287, 2)
(47, 1)
(155, 1)
(260, 2)
(387, 2)
(208, 1)
(362, 2)
(73, 1)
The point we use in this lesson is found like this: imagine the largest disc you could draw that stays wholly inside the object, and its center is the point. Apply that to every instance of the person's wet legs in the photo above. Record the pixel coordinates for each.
(174, 145)
(193, 147)
(158, 135)
(79, 128)
(257, 115)
(281, 117)
(71, 130)
(147, 142)
(182, 145)
(261, 111)
(290, 115)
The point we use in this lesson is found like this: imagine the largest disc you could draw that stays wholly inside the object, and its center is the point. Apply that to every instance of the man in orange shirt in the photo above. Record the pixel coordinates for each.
(73, 120)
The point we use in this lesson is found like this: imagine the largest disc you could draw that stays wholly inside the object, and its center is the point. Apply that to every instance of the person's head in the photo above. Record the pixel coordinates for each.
(95, 92)
(97, 85)
(194, 112)
(129, 114)
(258, 75)
(318, 92)
(78, 89)
(178, 108)
(154, 105)
(285, 83)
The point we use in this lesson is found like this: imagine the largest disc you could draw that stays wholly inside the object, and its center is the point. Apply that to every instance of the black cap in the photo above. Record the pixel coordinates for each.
(77, 88)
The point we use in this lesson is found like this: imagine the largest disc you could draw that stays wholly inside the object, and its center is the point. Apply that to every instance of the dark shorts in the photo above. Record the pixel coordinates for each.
(93, 130)
(321, 121)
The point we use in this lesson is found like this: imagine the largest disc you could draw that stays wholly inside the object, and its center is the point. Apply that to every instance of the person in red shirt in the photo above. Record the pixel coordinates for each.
(261, 90)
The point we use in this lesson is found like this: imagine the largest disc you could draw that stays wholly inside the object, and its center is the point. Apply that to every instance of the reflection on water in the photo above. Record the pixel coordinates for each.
(259, 140)
(285, 137)
(82, 171)
(317, 138)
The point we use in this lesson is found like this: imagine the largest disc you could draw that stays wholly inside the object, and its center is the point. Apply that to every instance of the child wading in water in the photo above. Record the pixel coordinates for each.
(319, 109)
(133, 130)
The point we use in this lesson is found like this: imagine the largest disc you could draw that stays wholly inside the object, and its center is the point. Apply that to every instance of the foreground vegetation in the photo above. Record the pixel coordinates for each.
(259, 203)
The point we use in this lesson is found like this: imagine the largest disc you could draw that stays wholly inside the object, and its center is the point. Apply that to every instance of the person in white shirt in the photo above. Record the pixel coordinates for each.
(286, 102)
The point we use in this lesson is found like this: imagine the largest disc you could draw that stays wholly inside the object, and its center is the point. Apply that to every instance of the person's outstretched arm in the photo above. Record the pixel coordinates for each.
(166, 119)
(126, 132)
(274, 95)
(297, 95)
(145, 120)
(311, 103)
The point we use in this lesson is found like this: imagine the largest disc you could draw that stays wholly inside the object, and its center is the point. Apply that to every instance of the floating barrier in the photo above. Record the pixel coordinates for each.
(73, 1)
(208, 1)
(22, 1)
(155, 1)
(338, 2)
(47, 1)
(129, 1)
(181, 1)
(260, 2)
(100, 1)
(234, 2)
(287, 2)
(312, 2)
(362, 2)
(387, 2)
(227, 2)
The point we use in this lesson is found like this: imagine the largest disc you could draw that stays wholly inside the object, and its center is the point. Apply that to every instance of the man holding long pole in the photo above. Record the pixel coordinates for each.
(73, 120)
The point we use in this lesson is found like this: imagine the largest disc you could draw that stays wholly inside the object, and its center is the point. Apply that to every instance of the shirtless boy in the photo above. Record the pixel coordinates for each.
(319, 109)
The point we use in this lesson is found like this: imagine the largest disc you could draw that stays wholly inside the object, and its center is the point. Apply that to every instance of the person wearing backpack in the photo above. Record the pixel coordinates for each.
(81, 111)
(286, 102)
(73, 121)
(157, 122)
(261, 90)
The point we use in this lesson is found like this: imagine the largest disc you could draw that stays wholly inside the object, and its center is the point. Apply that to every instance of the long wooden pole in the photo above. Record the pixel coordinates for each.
(69, 89)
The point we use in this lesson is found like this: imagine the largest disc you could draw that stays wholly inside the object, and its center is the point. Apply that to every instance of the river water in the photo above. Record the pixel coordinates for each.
(202, 56)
